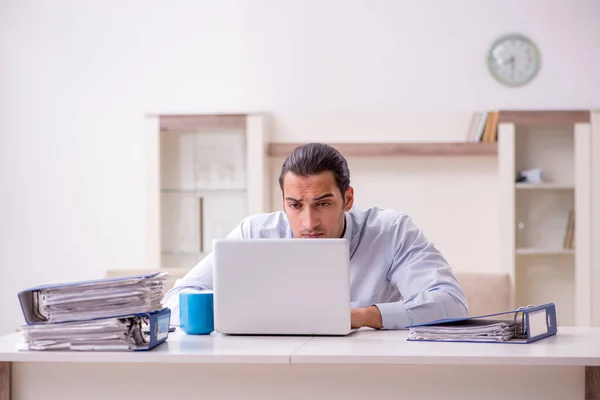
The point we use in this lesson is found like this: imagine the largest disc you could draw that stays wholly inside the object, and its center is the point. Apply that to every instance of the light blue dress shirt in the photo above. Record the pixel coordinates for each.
(392, 266)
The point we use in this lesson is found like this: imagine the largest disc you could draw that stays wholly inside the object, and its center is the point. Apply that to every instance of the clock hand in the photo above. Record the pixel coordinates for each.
(506, 61)
(512, 67)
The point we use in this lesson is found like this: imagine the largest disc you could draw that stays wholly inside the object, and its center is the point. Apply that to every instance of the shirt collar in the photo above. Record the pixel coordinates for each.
(348, 231)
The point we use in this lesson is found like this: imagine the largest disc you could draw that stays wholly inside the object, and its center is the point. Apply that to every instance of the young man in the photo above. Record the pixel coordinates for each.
(398, 278)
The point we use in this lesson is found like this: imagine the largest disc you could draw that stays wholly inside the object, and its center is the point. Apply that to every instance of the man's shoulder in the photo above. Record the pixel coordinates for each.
(272, 224)
(376, 218)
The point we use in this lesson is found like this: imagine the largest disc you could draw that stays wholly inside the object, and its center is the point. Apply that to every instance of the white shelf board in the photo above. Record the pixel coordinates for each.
(183, 253)
(544, 252)
(544, 186)
(204, 190)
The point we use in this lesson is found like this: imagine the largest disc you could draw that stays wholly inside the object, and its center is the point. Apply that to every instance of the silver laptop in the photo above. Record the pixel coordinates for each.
(282, 286)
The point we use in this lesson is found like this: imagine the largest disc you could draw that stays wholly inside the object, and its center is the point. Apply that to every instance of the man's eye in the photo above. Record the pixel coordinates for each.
(325, 204)
(294, 206)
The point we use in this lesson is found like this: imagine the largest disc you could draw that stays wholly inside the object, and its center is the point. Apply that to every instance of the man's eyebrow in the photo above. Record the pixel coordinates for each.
(323, 196)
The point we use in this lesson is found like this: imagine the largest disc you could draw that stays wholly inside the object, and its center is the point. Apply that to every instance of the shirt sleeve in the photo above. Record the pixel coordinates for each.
(197, 279)
(425, 280)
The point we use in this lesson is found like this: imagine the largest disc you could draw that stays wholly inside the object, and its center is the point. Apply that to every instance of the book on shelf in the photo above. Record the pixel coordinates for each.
(484, 127)
(569, 242)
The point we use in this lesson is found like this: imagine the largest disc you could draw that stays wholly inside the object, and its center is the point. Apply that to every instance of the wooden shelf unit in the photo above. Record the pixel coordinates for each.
(535, 216)
(373, 149)
(206, 173)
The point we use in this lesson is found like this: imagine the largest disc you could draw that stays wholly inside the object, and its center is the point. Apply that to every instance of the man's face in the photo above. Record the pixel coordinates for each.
(314, 205)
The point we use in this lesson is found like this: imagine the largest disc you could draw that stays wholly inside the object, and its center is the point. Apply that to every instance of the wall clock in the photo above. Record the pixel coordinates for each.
(513, 60)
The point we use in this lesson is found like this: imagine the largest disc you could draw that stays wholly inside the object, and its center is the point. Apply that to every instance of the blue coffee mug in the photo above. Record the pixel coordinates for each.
(196, 313)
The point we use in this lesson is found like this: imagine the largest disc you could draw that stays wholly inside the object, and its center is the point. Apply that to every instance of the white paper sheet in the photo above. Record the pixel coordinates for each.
(100, 299)
(479, 330)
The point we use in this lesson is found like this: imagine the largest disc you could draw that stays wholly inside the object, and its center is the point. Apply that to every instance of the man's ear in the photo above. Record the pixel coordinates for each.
(349, 198)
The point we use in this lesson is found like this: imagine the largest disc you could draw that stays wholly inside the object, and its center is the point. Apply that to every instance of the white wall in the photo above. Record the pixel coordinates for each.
(76, 78)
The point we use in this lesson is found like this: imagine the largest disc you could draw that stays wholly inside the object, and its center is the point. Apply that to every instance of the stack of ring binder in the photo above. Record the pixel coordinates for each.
(524, 325)
(112, 314)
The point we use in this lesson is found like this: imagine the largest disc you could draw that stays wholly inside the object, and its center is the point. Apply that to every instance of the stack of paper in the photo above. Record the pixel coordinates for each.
(100, 298)
(122, 313)
(104, 334)
(475, 330)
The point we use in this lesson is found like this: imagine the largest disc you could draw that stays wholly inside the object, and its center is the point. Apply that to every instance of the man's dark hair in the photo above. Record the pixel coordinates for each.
(314, 158)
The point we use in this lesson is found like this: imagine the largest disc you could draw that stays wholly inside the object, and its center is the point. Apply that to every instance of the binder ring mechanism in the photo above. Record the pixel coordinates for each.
(521, 326)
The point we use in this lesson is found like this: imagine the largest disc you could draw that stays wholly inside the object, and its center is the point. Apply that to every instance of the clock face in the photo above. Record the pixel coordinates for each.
(513, 60)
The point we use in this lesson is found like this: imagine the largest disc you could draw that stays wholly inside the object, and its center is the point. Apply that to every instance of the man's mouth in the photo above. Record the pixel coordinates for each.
(312, 235)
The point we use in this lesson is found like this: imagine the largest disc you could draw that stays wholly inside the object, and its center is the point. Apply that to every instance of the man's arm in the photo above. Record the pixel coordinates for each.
(197, 279)
(423, 277)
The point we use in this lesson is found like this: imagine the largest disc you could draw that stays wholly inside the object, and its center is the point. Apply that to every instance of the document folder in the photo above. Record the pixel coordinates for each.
(98, 298)
(523, 325)
(133, 332)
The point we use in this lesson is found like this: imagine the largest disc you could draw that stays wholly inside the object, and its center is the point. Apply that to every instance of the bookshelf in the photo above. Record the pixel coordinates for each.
(545, 234)
(207, 172)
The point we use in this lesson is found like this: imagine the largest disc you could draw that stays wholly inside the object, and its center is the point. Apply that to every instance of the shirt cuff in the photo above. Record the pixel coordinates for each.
(393, 315)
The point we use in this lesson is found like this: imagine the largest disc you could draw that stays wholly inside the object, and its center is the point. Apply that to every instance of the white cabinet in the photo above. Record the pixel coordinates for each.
(206, 173)
(545, 218)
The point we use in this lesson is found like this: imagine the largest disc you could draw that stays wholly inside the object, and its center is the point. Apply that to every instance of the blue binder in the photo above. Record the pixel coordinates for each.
(146, 330)
(530, 324)
(31, 299)
(158, 328)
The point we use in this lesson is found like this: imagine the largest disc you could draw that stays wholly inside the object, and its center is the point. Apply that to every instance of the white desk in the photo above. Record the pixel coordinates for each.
(377, 364)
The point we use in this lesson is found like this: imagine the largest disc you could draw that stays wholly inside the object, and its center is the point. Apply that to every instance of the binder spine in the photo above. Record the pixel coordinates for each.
(158, 328)
(534, 323)
(541, 322)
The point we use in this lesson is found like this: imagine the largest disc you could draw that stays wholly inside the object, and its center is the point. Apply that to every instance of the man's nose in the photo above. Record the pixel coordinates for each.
(310, 220)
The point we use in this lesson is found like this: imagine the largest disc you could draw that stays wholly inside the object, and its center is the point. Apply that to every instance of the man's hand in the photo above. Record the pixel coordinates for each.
(366, 316)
